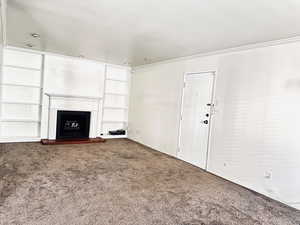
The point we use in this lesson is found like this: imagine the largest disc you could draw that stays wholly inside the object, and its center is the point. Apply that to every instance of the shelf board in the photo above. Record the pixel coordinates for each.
(111, 79)
(117, 94)
(113, 121)
(20, 120)
(19, 103)
(107, 136)
(22, 67)
(8, 139)
(118, 108)
(21, 85)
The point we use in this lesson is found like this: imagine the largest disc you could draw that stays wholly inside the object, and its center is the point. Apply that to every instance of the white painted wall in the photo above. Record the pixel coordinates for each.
(156, 101)
(73, 76)
(255, 130)
(70, 76)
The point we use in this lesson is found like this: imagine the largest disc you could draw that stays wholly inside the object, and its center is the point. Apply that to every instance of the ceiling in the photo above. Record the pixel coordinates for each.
(141, 32)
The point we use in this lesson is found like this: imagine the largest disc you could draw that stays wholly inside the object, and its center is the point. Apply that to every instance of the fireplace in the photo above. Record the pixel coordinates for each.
(72, 125)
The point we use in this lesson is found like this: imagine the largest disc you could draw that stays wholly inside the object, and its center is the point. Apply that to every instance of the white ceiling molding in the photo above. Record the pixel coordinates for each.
(64, 56)
(225, 51)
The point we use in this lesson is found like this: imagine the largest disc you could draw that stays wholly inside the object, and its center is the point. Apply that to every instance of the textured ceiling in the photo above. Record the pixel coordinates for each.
(140, 32)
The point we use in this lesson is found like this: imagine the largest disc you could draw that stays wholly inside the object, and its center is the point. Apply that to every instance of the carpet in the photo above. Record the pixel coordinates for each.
(120, 182)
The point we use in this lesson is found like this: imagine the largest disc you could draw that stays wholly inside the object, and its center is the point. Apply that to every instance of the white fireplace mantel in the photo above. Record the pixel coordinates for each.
(73, 103)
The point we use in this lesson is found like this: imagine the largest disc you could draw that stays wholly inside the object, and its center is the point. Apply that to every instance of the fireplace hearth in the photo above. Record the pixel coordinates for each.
(72, 125)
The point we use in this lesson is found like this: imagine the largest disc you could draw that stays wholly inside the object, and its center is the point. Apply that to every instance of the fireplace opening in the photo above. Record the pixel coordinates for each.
(72, 125)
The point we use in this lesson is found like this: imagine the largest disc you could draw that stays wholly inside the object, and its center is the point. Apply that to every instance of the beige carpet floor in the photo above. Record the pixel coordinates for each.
(122, 183)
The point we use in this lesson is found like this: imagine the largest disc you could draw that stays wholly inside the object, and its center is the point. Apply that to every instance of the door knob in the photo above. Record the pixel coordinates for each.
(205, 121)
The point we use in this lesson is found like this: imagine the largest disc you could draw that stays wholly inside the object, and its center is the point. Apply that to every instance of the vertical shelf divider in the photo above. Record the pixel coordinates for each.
(41, 94)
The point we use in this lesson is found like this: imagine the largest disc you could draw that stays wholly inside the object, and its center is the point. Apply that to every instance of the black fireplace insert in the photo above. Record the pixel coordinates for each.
(72, 125)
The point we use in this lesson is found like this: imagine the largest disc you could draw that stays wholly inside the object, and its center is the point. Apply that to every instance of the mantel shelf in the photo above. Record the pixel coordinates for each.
(72, 96)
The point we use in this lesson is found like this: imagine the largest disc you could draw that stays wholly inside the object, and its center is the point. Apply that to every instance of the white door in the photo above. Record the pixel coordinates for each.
(195, 118)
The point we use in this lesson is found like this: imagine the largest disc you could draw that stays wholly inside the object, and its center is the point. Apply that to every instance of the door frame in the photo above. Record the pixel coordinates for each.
(212, 111)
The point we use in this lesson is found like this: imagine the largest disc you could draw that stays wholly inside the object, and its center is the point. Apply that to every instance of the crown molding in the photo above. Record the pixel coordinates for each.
(34, 51)
(223, 51)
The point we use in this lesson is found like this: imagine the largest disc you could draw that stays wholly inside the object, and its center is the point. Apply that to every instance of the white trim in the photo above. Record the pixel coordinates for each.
(19, 103)
(20, 120)
(118, 94)
(20, 85)
(103, 102)
(26, 50)
(115, 108)
(3, 21)
(113, 136)
(72, 96)
(180, 116)
(212, 112)
(48, 115)
(22, 67)
(129, 73)
(41, 93)
(223, 51)
(19, 139)
(67, 103)
(119, 66)
(116, 80)
(114, 121)
(64, 56)
(2, 53)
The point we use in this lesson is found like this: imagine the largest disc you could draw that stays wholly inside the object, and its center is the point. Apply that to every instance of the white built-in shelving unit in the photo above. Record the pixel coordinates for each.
(22, 92)
(115, 100)
(20, 100)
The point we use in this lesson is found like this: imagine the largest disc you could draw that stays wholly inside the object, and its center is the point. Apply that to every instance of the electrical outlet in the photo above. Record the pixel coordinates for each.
(268, 175)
